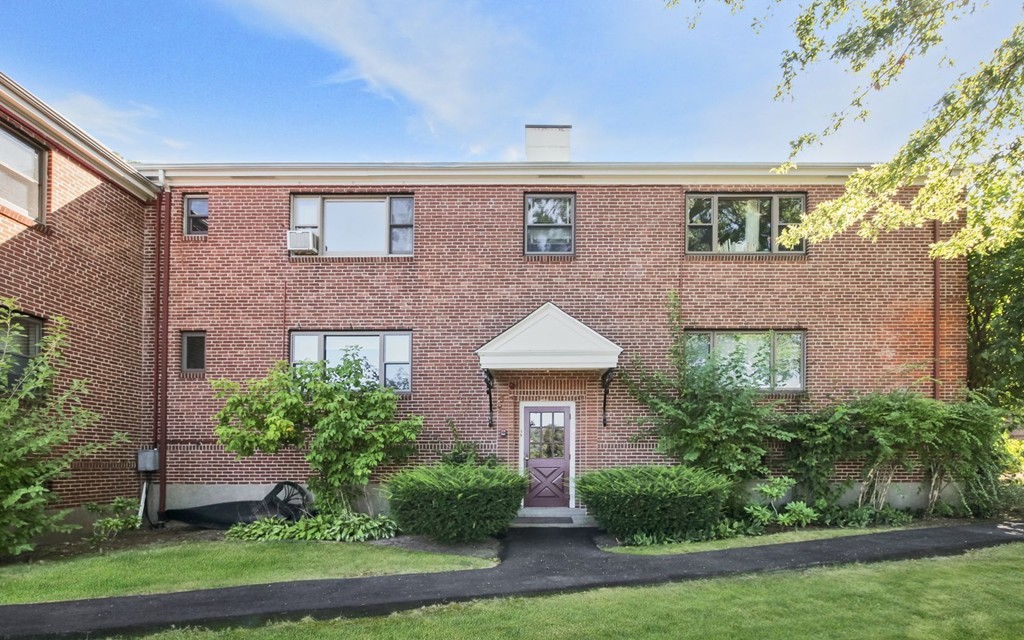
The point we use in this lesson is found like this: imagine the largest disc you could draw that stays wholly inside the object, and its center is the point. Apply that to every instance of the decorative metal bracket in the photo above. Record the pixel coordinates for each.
(489, 381)
(606, 383)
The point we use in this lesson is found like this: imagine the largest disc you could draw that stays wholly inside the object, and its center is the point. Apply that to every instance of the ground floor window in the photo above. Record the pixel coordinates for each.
(21, 344)
(771, 360)
(388, 355)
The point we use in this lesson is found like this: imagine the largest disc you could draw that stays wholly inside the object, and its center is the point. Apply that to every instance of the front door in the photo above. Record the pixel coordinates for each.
(545, 439)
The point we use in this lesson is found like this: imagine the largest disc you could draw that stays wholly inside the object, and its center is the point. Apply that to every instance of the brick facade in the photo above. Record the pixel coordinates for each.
(85, 263)
(866, 308)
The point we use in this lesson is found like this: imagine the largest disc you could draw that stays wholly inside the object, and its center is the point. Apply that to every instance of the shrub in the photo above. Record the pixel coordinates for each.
(39, 417)
(794, 514)
(341, 414)
(115, 518)
(705, 410)
(466, 451)
(334, 526)
(454, 503)
(656, 503)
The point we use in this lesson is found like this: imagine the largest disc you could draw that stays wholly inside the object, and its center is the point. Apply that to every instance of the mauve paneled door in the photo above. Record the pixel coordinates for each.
(547, 455)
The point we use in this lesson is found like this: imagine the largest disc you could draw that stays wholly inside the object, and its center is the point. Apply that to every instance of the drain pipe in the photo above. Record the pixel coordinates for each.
(936, 315)
(164, 321)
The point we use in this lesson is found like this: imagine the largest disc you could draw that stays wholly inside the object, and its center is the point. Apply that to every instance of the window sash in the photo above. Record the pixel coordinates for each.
(389, 355)
(712, 338)
(387, 240)
(529, 226)
(776, 224)
(191, 219)
(26, 173)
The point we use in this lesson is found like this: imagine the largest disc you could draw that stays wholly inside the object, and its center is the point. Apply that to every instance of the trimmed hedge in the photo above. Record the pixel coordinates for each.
(455, 503)
(656, 503)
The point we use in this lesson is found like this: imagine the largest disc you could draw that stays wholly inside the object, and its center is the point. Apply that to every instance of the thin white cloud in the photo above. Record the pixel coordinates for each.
(457, 65)
(128, 128)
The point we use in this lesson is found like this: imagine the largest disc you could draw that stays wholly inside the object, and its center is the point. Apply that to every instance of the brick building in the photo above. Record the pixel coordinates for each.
(501, 297)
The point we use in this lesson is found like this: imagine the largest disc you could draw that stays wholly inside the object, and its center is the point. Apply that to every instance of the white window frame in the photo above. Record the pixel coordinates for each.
(774, 242)
(385, 199)
(571, 197)
(382, 359)
(40, 183)
(188, 217)
(773, 334)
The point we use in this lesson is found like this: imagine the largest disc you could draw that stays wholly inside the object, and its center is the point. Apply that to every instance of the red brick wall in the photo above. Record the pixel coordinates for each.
(867, 308)
(86, 264)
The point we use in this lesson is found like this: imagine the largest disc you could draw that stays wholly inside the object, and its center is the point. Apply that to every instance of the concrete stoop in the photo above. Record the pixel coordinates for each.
(553, 517)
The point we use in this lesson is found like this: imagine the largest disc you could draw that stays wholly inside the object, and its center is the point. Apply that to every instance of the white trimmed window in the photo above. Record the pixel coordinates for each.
(388, 355)
(21, 175)
(772, 360)
(741, 223)
(357, 225)
(550, 224)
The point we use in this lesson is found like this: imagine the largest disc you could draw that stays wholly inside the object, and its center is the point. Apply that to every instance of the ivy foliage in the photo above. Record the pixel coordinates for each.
(343, 418)
(40, 414)
(967, 155)
(704, 411)
(996, 323)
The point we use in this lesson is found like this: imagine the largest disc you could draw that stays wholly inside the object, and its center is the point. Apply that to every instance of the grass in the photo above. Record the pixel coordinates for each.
(972, 596)
(743, 541)
(205, 565)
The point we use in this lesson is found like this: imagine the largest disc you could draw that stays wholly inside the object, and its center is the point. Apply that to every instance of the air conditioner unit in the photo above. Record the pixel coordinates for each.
(303, 241)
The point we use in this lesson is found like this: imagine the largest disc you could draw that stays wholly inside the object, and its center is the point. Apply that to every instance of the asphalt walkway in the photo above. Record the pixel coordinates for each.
(535, 561)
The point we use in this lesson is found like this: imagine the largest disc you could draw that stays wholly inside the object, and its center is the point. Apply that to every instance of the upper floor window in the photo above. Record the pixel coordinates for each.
(21, 344)
(770, 360)
(357, 225)
(741, 223)
(197, 215)
(21, 176)
(388, 356)
(550, 224)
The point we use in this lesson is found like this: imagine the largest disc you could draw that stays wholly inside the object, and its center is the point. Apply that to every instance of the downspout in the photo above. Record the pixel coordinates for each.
(157, 257)
(936, 316)
(164, 320)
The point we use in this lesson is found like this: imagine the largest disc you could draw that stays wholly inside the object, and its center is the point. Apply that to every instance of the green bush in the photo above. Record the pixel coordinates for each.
(653, 503)
(339, 527)
(115, 518)
(453, 503)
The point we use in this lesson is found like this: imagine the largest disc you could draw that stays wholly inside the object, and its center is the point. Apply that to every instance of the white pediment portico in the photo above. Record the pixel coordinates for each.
(549, 338)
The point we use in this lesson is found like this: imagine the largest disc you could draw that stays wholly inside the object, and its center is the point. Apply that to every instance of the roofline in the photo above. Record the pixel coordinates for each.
(72, 139)
(399, 173)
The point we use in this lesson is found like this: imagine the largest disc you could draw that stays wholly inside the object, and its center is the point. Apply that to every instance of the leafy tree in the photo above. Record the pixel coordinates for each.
(705, 410)
(996, 323)
(38, 419)
(967, 155)
(341, 415)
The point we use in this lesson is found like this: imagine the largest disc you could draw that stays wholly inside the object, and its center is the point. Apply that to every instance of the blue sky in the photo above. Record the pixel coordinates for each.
(447, 80)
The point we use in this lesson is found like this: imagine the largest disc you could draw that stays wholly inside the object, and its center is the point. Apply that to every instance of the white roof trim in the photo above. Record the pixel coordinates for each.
(83, 146)
(549, 338)
(525, 173)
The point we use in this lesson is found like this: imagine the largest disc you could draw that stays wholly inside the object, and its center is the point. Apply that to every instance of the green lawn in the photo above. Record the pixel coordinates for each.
(204, 565)
(972, 596)
(743, 541)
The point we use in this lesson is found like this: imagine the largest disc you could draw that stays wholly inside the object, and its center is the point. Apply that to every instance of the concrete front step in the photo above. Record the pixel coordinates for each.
(553, 517)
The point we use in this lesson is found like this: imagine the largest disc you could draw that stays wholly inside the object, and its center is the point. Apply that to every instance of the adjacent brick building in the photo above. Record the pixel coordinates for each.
(490, 295)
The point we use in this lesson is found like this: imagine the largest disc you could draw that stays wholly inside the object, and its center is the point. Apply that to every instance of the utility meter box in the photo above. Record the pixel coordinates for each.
(149, 460)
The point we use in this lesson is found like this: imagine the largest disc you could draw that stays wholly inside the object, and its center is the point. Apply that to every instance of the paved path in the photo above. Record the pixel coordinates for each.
(536, 561)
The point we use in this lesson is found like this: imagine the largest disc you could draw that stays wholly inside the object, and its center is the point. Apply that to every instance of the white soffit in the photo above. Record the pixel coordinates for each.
(549, 338)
